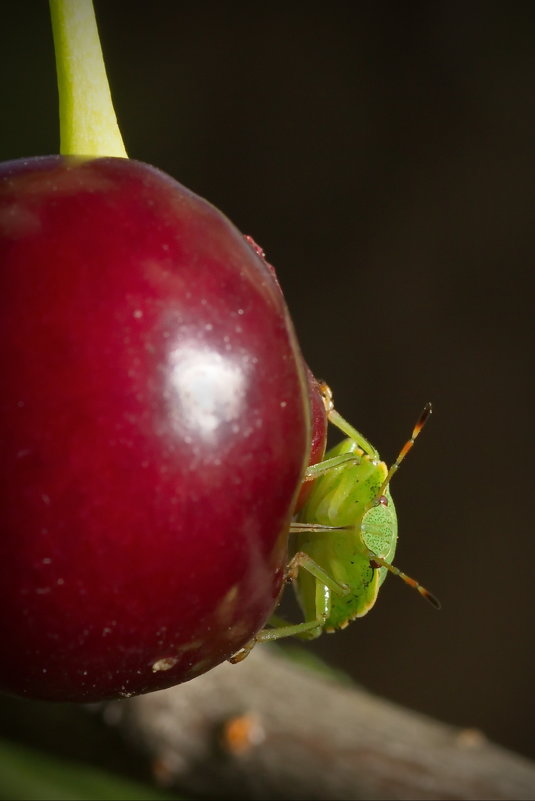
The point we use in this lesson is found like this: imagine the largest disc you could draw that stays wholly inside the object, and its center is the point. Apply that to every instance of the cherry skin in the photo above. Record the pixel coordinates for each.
(154, 419)
(318, 410)
(318, 439)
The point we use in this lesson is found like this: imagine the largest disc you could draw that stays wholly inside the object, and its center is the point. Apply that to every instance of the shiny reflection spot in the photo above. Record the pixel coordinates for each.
(166, 663)
(207, 390)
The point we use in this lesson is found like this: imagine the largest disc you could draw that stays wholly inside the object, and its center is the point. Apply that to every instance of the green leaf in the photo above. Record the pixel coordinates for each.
(30, 775)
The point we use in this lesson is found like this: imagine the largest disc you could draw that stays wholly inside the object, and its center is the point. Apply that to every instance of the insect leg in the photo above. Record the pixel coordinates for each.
(315, 470)
(302, 559)
(351, 432)
(309, 629)
(317, 528)
(341, 423)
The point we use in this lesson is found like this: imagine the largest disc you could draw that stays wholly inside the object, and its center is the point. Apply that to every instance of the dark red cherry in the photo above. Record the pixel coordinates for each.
(154, 420)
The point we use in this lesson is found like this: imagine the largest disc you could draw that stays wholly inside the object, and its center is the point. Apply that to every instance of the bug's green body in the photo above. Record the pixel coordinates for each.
(340, 497)
(344, 539)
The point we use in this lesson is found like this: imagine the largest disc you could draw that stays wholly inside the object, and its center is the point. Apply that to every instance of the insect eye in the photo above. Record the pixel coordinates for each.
(382, 500)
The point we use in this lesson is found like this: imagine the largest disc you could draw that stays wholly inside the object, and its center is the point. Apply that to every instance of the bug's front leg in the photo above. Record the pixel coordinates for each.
(313, 471)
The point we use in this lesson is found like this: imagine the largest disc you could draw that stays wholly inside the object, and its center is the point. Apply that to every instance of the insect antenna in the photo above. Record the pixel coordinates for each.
(422, 420)
(380, 499)
(377, 561)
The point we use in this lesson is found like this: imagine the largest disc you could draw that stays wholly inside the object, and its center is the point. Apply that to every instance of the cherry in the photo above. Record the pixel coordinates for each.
(154, 421)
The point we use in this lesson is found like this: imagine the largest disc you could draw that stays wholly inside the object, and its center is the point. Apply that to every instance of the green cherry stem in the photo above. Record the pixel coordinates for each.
(88, 125)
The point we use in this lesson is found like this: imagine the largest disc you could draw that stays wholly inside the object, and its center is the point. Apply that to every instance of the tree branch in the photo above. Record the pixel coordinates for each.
(270, 729)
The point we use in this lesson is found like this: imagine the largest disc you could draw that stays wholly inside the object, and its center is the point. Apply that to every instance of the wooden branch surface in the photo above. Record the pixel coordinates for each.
(270, 729)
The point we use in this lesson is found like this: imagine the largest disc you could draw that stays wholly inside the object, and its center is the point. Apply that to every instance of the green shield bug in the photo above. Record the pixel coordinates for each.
(344, 539)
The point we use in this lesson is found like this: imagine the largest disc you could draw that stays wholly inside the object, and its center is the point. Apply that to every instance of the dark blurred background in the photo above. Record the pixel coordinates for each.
(382, 153)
